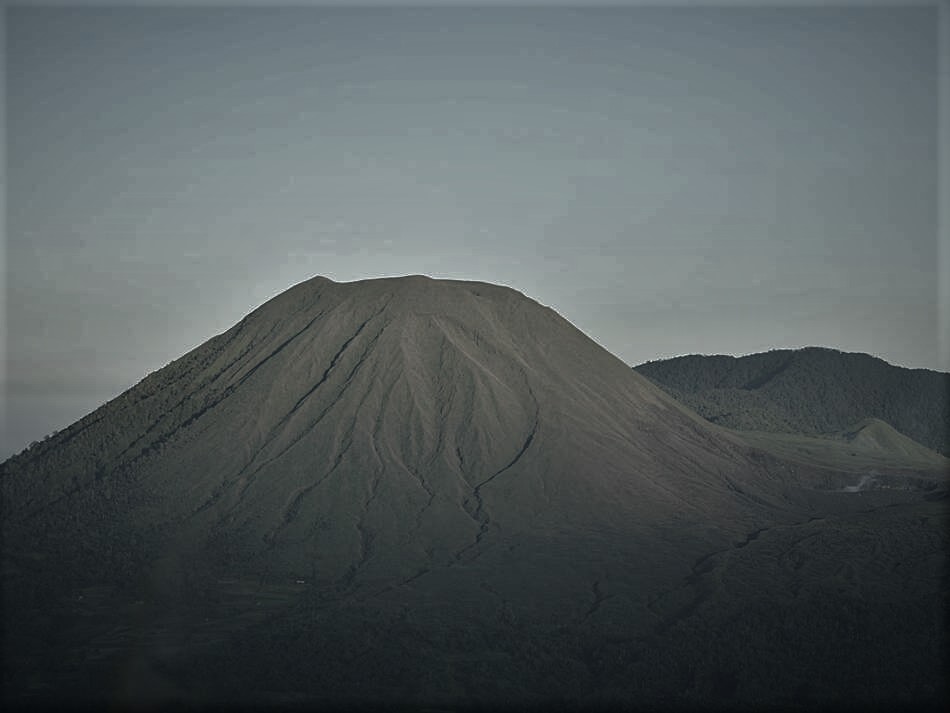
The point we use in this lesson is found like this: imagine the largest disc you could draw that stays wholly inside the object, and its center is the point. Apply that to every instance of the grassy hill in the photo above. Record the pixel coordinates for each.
(811, 391)
(872, 451)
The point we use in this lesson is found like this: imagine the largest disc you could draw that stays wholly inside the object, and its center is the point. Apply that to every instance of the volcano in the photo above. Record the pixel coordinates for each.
(400, 490)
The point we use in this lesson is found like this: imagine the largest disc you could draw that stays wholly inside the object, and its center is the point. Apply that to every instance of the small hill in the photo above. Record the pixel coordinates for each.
(869, 448)
(874, 435)
(811, 391)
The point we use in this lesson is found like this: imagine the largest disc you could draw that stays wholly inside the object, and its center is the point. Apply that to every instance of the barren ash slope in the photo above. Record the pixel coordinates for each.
(415, 491)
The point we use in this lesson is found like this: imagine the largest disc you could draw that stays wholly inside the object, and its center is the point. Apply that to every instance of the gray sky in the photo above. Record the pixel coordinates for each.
(678, 180)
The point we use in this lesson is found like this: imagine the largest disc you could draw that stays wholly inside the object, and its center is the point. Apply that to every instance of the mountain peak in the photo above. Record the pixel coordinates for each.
(405, 413)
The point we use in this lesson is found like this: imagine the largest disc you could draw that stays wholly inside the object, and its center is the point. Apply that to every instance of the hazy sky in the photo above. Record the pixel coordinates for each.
(679, 180)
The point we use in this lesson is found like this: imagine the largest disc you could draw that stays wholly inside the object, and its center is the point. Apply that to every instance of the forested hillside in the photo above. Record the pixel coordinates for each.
(810, 391)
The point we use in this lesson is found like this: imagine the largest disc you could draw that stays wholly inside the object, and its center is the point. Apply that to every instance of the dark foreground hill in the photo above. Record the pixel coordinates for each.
(809, 391)
(413, 492)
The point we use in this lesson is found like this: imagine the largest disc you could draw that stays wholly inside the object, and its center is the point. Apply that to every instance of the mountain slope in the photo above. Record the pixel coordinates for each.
(809, 391)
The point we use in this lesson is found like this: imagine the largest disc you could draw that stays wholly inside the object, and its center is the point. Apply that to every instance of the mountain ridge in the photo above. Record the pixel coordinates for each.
(813, 391)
